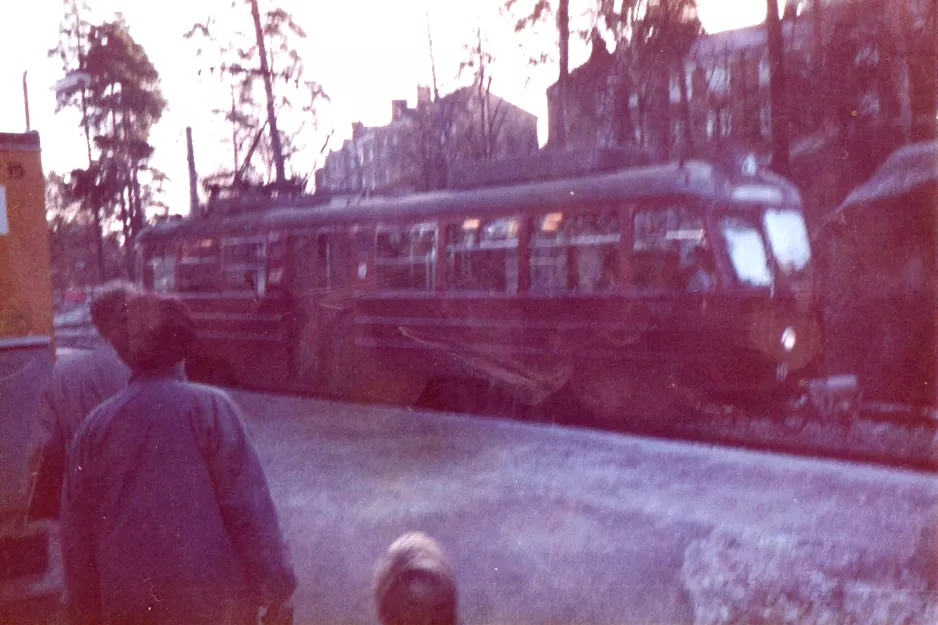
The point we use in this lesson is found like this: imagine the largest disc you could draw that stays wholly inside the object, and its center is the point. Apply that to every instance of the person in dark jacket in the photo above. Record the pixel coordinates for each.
(414, 583)
(166, 514)
(77, 386)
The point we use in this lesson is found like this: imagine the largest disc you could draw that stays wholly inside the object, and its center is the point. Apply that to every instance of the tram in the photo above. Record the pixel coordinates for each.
(584, 275)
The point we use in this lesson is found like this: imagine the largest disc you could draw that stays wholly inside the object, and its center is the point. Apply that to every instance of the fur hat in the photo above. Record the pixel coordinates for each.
(160, 332)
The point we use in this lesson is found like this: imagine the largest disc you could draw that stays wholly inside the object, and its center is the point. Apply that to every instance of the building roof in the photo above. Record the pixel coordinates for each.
(596, 67)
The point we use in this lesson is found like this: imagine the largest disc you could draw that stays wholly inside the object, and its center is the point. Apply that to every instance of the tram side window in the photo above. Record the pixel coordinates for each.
(405, 256)
(159, 268)
(670, 250)
(276, 261)
(244, 265)
(576, 252)
(199, 265)
(483, 256)
(333, 259)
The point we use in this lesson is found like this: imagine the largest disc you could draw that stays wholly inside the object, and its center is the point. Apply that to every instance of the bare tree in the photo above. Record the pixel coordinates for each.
(481, 136)
(653, 39)
(563, 32)
(249, 63)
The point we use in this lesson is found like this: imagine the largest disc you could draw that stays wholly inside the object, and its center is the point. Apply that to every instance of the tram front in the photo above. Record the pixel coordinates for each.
(766, 253)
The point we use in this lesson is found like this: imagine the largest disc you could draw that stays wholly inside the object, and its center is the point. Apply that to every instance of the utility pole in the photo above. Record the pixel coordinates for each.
(436, 92)
(193, 179)
(234, 138)
(437, 164)
(26, 100)
(268, 87)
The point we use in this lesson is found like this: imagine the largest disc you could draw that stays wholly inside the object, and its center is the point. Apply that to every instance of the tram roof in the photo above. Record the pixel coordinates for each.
(697, 179)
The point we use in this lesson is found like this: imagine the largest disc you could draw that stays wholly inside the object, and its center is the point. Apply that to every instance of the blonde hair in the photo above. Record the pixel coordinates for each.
(414, 583)
(109, 305)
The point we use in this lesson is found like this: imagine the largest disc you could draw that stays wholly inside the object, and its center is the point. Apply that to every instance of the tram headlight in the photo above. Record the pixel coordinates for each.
(789, 339)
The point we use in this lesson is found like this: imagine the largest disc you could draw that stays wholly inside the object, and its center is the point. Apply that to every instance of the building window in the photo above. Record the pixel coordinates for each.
(765, 121)
(719, 80)
(765, 72)
(405, 256)
(726, 122)
(483, 256)
(689, 80)
(674, 87)
(677, 132)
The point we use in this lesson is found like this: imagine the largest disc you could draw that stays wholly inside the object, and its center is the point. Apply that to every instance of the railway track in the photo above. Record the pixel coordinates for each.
(896, 436)
(892, 435)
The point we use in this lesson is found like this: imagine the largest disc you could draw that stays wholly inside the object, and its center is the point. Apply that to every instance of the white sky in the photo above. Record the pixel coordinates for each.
(364, 52)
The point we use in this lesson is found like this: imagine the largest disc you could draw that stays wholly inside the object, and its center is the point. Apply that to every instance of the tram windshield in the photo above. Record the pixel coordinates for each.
(788, 238)
(752, 245)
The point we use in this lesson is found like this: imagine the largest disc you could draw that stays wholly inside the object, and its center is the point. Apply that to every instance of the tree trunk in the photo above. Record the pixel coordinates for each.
(818, 97)
(563, 30)
(780, 121)
(99, 243)
(662, 109)
(269, 89)
(95, 210)
(139, 221)
(610, 99)
(898, 26)
(685, 106)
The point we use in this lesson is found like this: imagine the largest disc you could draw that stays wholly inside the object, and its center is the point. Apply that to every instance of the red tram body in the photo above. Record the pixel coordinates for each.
(601, 286)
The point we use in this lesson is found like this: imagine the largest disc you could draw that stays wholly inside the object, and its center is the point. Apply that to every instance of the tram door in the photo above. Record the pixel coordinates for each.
(320, 280)
(672, 278)
(304, 291)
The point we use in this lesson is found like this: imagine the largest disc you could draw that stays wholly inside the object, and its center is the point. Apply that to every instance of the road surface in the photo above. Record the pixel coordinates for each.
(553, 525)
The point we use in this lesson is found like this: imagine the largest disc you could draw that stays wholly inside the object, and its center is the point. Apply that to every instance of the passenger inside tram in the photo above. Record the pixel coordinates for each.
(702, 270)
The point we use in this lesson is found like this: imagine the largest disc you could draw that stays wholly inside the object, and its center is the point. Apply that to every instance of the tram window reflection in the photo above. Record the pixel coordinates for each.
(576, 252)
(747, 251)
(483, 256)
(244, 265)
(199, 266)
(405, 257)
(788, 237)
(668, 250)
(160, 269)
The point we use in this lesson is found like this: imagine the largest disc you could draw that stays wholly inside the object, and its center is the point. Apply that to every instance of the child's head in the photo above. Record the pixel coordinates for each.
(414, 583)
